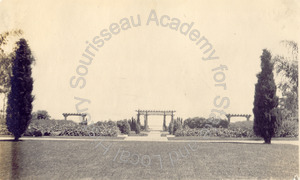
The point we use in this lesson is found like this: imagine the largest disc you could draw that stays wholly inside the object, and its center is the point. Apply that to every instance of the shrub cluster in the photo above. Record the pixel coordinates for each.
(134, 126)
(205, 123)
(195, 123)
(35, 132)
(289, 128)
(174, 126)
(48, 127)
(3, 130)
(70, 128)
(214, 132)
(238, 130)
(243, 129)
(92, 130)
(124, 126)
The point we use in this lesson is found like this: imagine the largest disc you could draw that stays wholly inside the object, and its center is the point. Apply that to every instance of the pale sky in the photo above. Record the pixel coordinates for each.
(149, 66)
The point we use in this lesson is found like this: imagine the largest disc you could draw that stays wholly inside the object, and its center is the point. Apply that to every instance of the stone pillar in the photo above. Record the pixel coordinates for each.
(65, 116)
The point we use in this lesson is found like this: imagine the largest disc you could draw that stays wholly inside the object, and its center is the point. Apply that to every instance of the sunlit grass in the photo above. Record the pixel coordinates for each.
(30, 159)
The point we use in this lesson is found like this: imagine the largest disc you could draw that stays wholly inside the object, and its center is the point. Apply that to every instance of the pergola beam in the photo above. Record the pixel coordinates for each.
(83, 115)
(247, 116)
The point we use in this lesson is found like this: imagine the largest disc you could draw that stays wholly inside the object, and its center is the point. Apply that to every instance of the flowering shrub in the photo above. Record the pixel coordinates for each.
(70, 128)
(236, 130)
(92, 130)
(288, 129)
(3, 130)
(247, 125)
(205, 123)
(214, 132)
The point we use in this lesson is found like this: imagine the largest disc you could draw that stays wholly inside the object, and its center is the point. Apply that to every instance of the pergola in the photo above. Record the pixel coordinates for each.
(147, 113)
(247, 116)
(83, 115)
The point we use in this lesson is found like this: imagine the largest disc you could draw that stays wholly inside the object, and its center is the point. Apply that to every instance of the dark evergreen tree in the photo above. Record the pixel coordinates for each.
(133, 124)
(124, 126)
(266, 116)
(137, 127)
(176, 125)
(139, 121)
(171, 127)
(20, 98)
(164, 125)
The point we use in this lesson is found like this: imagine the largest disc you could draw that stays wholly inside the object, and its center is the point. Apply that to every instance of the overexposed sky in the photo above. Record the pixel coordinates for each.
(149, 66)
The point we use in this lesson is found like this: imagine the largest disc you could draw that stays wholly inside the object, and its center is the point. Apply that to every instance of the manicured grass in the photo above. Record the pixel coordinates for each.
(78, 137)
(42, 159)
(228, 138)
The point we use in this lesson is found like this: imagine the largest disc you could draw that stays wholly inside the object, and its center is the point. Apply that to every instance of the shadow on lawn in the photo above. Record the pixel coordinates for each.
(11, 140)
(10, 158)
(262, 143)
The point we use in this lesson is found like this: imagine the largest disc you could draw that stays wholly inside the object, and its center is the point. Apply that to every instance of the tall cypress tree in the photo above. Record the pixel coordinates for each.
(20, 98)
(266, 116)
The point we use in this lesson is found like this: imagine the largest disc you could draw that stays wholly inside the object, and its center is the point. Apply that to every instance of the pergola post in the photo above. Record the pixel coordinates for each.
(228, 117)
(147, 113)
(248, 118)
(83, 119)
(65, 116)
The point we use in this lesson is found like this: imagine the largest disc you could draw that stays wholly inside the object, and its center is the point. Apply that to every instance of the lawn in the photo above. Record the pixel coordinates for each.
(43, 159)
(230, 138)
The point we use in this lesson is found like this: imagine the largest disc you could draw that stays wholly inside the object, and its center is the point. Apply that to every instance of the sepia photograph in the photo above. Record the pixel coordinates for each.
(152, 89)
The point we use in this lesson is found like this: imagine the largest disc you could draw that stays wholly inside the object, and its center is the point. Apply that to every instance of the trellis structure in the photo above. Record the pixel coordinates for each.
(147, 113)
(247, 116)
(83, 115)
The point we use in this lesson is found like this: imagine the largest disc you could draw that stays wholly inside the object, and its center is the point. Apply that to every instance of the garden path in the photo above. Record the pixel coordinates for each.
(153, 135)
